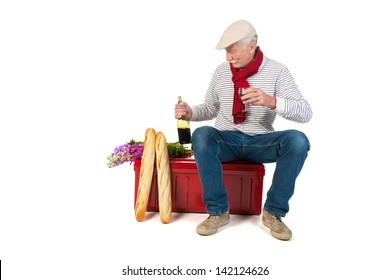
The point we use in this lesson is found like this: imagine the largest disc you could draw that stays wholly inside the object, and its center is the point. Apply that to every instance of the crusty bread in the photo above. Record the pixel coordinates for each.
(163, 179)
(146, 174)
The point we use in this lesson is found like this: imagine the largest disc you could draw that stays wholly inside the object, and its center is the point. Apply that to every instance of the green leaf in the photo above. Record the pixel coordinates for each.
(175, 149)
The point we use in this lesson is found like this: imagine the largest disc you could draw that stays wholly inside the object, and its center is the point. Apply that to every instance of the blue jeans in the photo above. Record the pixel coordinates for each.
(211, 147)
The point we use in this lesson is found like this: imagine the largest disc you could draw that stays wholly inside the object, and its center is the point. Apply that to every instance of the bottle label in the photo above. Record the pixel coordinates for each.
(183, 124)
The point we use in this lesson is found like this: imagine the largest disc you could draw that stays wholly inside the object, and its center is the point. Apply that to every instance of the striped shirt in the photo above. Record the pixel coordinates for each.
(274, 79)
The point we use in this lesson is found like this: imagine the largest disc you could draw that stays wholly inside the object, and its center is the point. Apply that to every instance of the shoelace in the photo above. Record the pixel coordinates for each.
(276, 217)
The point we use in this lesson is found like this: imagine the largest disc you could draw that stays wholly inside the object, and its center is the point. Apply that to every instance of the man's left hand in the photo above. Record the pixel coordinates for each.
(257, 97)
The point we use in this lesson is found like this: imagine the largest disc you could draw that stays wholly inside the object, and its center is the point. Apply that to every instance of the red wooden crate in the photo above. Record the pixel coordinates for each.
(242, 180)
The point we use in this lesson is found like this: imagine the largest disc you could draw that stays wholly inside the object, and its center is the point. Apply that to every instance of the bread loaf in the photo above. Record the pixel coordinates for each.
(146, 174)
(163, 179)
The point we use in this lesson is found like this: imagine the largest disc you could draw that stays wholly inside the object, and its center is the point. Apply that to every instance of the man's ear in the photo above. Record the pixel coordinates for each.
(252, 47)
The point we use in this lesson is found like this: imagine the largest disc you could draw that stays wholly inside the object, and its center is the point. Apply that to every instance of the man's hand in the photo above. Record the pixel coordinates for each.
(182, 109)
(256, 96)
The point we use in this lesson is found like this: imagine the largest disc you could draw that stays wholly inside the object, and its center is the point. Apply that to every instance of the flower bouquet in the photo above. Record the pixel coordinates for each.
(130, 151)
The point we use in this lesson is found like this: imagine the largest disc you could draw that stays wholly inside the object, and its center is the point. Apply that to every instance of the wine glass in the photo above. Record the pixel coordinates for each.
(241, 93)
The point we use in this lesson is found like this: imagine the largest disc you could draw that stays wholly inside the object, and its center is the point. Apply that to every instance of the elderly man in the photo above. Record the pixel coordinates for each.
(243, 128)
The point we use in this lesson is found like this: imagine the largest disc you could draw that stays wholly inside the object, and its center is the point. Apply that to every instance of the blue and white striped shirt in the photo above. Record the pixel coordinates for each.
(274, 79)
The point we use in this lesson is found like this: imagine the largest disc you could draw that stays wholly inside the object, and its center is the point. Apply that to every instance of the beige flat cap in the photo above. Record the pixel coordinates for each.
(235, 32)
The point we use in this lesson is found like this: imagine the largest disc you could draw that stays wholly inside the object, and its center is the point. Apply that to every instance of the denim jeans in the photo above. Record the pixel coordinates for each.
(211, 147)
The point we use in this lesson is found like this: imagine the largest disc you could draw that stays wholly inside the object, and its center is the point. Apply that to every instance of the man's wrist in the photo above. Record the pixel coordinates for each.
(272, 103)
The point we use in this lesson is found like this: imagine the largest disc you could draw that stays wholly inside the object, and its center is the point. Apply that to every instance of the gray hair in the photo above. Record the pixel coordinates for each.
(245, 42)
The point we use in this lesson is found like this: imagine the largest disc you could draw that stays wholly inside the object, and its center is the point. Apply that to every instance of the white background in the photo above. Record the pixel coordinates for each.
(78, 78)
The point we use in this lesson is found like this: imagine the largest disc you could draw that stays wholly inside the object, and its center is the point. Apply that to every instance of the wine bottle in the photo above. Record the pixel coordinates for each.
(183, 129)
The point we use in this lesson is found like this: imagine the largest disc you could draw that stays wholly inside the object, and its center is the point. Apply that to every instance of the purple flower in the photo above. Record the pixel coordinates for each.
(125, 153)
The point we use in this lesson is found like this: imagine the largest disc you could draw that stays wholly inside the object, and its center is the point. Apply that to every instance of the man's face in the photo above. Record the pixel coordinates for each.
(239, 55)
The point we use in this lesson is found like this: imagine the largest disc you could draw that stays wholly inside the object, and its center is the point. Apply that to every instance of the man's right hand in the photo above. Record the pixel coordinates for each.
(182, 109)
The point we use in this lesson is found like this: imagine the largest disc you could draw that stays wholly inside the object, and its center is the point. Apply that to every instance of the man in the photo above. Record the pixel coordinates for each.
(243, 128)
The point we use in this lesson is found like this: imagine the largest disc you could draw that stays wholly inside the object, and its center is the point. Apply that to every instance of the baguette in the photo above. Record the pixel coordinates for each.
(163, 179)
(146, 174)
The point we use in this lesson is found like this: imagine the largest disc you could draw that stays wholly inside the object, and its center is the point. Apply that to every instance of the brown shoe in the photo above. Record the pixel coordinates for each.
(278, 229)
(213, 223)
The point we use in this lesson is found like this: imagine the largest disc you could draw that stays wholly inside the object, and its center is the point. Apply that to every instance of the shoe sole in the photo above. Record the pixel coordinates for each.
(280, 236)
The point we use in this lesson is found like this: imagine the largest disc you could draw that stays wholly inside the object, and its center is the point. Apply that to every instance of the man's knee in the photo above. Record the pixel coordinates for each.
(201, 137)
(202, 134)
(298, 141)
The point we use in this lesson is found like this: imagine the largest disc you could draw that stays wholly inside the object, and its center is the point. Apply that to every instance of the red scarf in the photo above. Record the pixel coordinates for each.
(239, 79)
